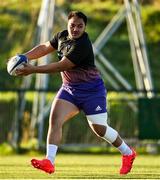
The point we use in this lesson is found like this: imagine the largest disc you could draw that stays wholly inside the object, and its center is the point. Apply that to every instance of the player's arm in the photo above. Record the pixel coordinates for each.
(39, 51)
(63, 65)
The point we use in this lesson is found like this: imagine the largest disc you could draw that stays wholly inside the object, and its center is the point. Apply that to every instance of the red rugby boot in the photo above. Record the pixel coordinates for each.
(127, 161)
(44, 165)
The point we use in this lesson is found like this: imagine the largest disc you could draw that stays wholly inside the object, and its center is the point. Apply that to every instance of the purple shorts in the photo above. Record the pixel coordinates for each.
(89, 97)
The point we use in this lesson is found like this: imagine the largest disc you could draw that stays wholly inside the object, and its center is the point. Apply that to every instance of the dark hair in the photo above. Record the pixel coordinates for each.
(78, 14)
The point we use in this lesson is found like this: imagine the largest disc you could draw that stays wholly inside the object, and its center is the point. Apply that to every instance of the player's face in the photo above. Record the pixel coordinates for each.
(76, 27)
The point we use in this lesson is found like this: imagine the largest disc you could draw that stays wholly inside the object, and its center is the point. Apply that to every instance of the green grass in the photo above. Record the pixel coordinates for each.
(76, 166)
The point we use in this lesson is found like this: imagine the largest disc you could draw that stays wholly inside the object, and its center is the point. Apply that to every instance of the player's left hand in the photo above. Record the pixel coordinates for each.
(26, 70)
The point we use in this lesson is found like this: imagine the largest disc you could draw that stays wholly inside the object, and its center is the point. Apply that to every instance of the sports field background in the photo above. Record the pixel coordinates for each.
(18, 19)
(80, 166)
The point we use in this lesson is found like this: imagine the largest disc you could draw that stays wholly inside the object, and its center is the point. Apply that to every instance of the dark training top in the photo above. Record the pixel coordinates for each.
(80, 52)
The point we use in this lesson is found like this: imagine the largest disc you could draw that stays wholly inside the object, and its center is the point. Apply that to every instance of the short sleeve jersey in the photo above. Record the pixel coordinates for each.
(78, 51)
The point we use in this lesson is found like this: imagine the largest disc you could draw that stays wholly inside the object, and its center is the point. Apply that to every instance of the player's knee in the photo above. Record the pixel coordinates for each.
(98, 122)
(99, 129)
(100, 119)
(55, 123)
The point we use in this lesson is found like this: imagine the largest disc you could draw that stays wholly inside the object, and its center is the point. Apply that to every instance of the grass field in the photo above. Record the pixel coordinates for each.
(75, 166)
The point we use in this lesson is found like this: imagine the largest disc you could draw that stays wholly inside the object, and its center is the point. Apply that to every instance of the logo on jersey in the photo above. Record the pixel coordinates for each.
(68, 90)
(98, 108)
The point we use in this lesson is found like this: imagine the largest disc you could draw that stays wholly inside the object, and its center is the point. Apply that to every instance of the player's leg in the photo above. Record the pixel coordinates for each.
(98, 124)
(96, 113)
(61, 111)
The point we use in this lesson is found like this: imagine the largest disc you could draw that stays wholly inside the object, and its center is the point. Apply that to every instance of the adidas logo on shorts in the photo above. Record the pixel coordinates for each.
(98, 108)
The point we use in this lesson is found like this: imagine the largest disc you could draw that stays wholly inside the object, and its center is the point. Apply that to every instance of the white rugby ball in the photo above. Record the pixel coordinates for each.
(16, 62)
